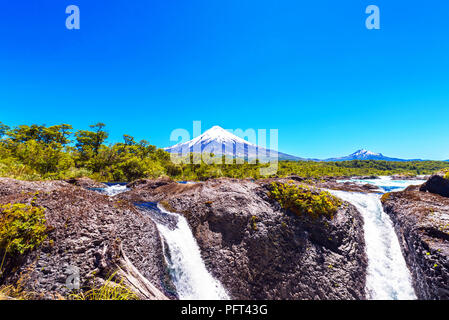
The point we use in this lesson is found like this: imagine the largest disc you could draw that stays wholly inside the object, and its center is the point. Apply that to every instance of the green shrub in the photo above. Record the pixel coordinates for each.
(11, 168)
(22, 227)
(304, 201)
(446, 176)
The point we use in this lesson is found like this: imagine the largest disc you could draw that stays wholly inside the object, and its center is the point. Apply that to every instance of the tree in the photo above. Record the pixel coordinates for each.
(24, 133)
(59, 134)
(3, 129)
(129, 140)
(91, 140)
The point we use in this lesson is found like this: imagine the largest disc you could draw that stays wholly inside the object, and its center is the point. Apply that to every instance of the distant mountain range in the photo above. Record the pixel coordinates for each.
(218, 141)
(365, 155)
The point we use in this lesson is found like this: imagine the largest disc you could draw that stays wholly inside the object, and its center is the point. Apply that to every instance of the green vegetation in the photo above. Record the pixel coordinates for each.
(304, 201)
(254, 221)
(22, 228)
(446, 175)
(18, 292)
(359, 168)
(385, 197)
(38, 152)
(14, 293)
(110, 290)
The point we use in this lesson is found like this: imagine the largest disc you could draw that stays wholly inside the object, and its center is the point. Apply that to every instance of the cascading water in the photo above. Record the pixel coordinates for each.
(388, 277)
(189, 273)
(112, 189)
(386, 183)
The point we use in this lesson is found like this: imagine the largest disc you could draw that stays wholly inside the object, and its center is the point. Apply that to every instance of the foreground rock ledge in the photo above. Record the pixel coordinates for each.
(257, 250)
(90, 231)
(421, 221)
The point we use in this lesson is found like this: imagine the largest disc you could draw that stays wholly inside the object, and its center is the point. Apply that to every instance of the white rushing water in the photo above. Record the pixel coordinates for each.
(388, 277)
(386, 183)
(190, 276)
(188, 271)
(114, 189)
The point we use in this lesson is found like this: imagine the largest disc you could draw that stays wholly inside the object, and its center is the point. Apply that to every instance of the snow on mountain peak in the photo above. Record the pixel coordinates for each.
(364, 152)
(216, 134)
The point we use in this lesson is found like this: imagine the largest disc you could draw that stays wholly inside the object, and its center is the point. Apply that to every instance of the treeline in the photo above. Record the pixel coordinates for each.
(360, 168)
(38, 152)
(58, 152)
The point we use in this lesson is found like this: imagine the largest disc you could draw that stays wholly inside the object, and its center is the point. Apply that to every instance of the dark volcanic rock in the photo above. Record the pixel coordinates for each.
(149, 184)
(145, 190)
(436, 184)
(86, 183)
(407, 177)
(296, 178)
(366, 177)
(347, 186)
(89, 231)
(421, 221)
(260, 252)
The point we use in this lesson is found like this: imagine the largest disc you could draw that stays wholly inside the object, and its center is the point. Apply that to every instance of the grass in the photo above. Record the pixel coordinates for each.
(17, 291)
(110, 290)
(11, 292)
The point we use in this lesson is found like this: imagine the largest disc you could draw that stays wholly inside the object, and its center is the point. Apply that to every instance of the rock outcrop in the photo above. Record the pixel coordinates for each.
(257, 250)
(86, 183)
(91, 236)
(421, 221)
(436, 184)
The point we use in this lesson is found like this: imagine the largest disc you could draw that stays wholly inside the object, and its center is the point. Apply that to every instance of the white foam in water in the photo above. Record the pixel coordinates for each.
(388, 277)
(385, 183)
(115, 190)
(190, 276)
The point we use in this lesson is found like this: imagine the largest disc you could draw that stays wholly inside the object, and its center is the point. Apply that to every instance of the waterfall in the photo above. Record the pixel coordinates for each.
(188, 271)
(388, 277)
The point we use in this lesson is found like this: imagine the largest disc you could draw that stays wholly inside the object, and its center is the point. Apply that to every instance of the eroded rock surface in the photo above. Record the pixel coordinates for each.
(86, 183)
(96, 234)
(436, 184)
(257, 250)
(421, 220)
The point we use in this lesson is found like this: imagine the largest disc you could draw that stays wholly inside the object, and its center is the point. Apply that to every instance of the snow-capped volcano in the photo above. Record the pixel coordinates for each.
(216, 134)
(363, 154)
(219, 141)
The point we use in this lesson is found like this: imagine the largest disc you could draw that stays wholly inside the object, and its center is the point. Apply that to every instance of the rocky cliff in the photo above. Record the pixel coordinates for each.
(259, 251)
(421, 220)
(90, 236)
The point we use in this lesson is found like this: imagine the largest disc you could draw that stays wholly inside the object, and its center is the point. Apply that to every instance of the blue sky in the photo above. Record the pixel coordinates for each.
(310, 69)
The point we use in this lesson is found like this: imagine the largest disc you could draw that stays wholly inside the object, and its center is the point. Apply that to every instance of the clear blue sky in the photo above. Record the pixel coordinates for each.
(308, 68)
